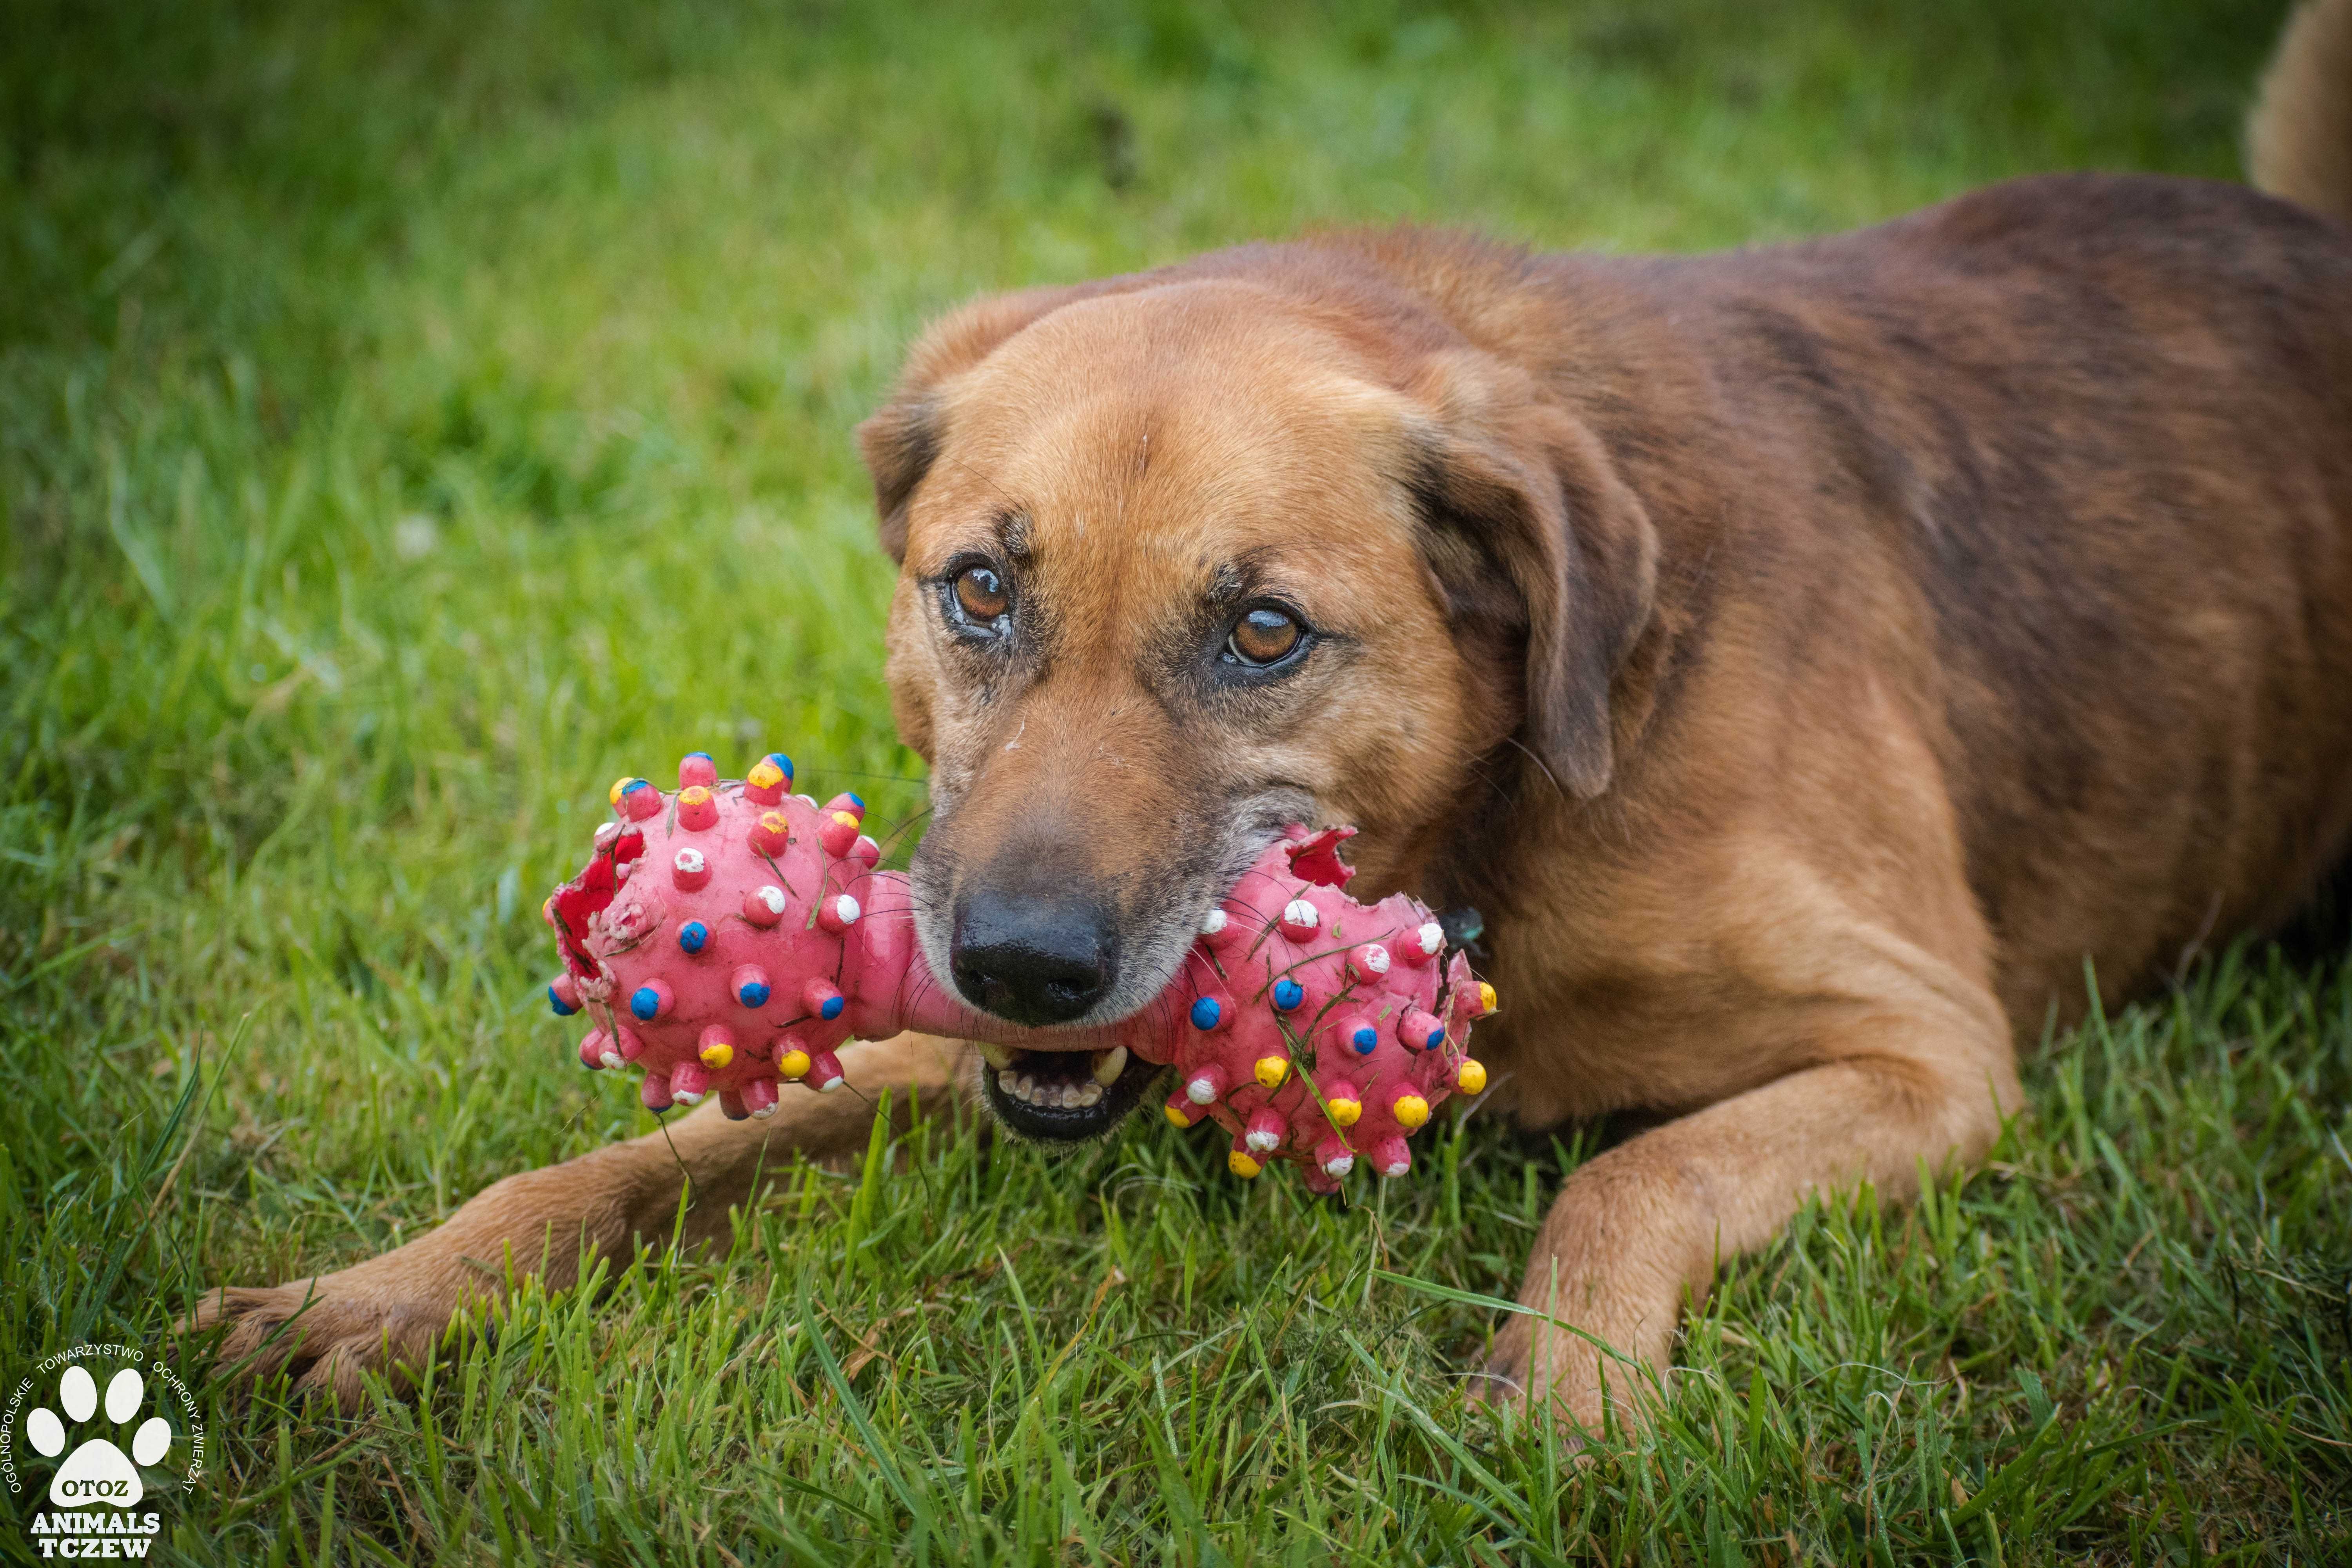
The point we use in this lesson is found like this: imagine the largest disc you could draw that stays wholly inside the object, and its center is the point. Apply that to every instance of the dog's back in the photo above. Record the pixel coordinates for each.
(2083, 445)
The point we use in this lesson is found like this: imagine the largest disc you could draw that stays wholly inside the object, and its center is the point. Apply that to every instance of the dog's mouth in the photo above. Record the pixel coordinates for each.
(1062, 1096)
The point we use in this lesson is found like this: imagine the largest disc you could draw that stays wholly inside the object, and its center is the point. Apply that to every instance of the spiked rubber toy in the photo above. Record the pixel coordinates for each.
(707, 936)
(728, 939)
(1318, 1028)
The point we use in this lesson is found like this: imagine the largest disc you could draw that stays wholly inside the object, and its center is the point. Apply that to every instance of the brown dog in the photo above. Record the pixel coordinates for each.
(1804, 657)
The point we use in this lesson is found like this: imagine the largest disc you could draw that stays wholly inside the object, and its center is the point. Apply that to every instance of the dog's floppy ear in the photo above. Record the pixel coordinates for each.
(902, 438)
(899, 441)
(1534, 535)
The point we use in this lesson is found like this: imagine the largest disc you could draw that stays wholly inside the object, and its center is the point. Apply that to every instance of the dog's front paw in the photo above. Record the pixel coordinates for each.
(1502, 1378)
(381, 1316)
(1561, 1371)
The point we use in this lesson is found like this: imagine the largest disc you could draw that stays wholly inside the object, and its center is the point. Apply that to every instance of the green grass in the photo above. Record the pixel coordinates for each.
(410, 420)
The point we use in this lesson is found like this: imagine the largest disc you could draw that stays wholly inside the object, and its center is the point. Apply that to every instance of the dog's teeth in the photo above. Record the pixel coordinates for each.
(1064, 1094)
(996, 1055)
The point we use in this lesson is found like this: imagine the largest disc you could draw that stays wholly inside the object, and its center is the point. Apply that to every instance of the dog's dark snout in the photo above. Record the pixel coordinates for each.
(1032, 958)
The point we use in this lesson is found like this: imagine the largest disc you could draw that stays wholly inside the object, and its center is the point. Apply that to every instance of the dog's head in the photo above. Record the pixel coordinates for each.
(1185, 558)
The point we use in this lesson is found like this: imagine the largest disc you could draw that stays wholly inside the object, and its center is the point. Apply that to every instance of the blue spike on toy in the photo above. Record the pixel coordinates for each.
(782, 761)
(645, 1002)
(855, 799)
(692, 935)
(1364, 1039)
(832, 1008)
(1205, 1013)
(755, 995)
(557, 1003)
(1287, 995)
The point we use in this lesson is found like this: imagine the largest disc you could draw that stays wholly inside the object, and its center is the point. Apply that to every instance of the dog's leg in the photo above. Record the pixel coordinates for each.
(1638, 1230)
(383, 1314)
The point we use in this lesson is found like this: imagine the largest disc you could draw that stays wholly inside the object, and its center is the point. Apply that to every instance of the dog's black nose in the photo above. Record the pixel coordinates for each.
(1033, 959)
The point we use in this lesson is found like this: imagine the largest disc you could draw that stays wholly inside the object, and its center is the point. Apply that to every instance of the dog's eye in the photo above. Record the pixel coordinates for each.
(1264, 637)
(979, 595)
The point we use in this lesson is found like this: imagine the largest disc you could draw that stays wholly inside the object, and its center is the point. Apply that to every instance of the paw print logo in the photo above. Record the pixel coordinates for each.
(96, 1472)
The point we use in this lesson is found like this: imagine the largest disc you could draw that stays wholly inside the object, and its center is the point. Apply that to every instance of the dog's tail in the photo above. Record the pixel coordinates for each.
(2299, 138)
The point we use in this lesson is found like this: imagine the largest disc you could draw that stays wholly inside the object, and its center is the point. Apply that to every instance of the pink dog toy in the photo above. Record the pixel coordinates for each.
(729, 938)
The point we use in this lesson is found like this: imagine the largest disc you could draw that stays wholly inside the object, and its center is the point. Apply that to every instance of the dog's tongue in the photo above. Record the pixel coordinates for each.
(729, 939)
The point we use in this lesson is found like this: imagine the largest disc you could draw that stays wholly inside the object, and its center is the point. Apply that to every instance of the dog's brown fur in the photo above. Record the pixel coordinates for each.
(1806, 659)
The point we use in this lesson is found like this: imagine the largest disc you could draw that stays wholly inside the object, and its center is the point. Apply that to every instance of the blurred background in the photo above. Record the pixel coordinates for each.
(414, 416)
(399, 402)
